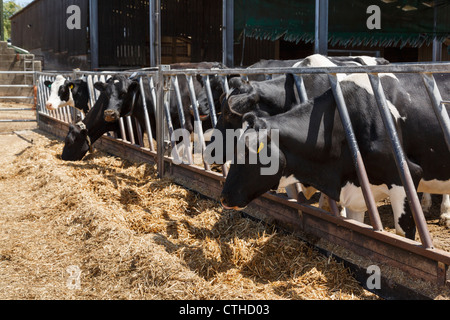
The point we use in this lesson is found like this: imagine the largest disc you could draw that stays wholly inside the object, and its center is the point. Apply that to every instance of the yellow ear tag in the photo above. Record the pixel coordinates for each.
(71, 87)
(261, 146)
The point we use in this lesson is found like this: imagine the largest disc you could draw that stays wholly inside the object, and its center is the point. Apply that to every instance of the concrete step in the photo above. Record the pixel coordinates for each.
(3, 45)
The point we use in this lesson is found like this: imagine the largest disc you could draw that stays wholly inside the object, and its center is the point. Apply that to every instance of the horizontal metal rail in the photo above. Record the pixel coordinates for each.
(16, 86)
(18, 72)
(16, 97)
(18, 120)
(16, 109)
(393, 68)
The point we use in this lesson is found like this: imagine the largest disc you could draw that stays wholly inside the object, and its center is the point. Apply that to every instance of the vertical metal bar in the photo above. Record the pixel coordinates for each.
(170, 126)
(146, 117)
(139, 138)
(356, 154)
(158, 27)
(437, 45)
(160, 126)
(226, 87)
(301, 90)
(93, 32)
(130, 129)
(321, 28)
(151, 6)
(153, 90)
(209, 95)
(228, 33)
(438, 107)
(2, 27)
(181, 114)
(400, 160)
(41, 89)
(91, 90)
(197, 121)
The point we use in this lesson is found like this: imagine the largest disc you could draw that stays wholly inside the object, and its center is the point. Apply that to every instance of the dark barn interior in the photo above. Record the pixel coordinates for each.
(123, 33)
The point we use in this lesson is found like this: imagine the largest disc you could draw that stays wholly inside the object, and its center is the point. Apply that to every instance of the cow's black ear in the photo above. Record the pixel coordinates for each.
(48, 84)
(242, 103)
(100, 86)
(69, 84)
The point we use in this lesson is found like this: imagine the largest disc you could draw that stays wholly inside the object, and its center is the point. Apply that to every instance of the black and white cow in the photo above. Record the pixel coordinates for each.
(63, 92)
(279, 94)
(122, 90)
(312, 148)
(83, 135)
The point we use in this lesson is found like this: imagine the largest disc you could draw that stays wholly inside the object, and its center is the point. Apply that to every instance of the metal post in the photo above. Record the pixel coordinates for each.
(155, 27)
(400, 160)
(197, 121)
(160, 126)
(151, 15)
(2, 26)
(437, 45)
(181, 116)
(228, 33)
(321, 29)
(438, 106)
(301, 90)
(209, 95)
(356, 154)
(146, 116)
(93, 31)
(155, 32)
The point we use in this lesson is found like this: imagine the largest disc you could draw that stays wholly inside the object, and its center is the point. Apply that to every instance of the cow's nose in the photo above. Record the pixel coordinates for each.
(49, 106)
(223, 202)
(111, 115)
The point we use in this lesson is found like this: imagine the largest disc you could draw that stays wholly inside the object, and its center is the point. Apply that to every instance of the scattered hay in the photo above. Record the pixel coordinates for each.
(135, 236)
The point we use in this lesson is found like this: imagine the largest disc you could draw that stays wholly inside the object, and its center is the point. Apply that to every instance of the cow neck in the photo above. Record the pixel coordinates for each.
(81, 101)
(95, 124)
(303, 127)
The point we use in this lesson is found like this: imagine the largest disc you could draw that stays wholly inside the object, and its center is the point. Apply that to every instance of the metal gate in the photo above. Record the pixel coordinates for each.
(24, 85)
(419, 259)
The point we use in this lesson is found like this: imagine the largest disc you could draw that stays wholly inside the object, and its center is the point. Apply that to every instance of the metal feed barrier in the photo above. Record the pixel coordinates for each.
(18, 86)
(419, 259)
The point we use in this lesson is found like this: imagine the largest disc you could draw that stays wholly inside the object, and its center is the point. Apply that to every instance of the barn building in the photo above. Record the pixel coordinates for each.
(117, 34)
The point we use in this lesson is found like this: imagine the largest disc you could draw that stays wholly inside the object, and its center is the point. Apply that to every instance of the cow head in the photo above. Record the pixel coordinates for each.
(60, 94)
(121, 93)
(77, 143)
(241, 100)
(245, 182)
(64, 92)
